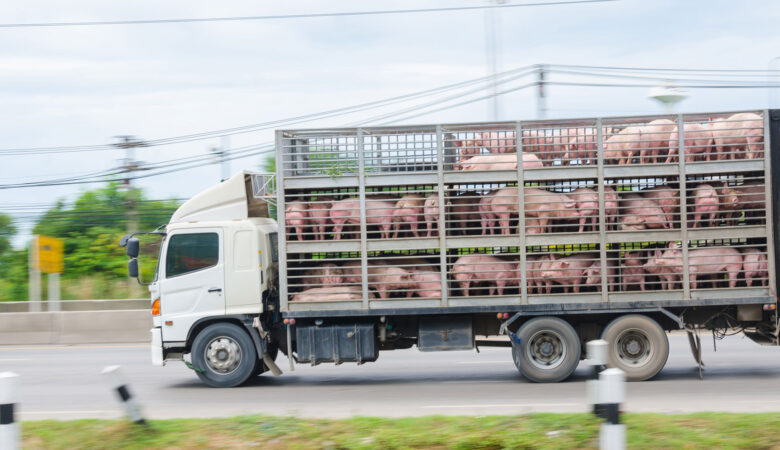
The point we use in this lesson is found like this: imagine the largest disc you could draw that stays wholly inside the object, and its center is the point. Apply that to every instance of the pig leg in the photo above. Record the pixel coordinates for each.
(503, 223)
(692, 278)
(464, 288)
(696, 220)
(337, 227)
(413, 226)
(429, 226)
(583, 219)
(733, 271)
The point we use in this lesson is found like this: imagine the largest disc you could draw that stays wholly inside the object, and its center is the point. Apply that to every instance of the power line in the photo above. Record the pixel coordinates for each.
(292, 16)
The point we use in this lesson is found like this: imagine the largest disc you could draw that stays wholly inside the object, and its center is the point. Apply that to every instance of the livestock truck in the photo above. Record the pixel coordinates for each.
(535, 235)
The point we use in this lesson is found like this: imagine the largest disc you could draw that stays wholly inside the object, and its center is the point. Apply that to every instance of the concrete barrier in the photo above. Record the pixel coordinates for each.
(81, 305)
(75, 327)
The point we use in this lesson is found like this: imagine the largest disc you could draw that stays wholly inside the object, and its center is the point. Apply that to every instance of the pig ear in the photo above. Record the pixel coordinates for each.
(564, 263)
(658, 253)
(553, 256)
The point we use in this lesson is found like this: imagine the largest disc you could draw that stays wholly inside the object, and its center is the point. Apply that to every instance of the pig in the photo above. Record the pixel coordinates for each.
(464, 212)
(632, 270)
(706, 202)
(728, 208)
(748, 198)
(330, 294)
(487, 217)
(506, 161)
(658, 266)
(587, 201)
(296, 216)
(534, 266)
(593, 275)
(386, 279)
(702, 261)
(431, 213)
(466, 149)
(325, 275)
(582, 146)
(610, 206)
(498, 141)
(494, 271)
(409, 209)
(568, 271)
(639, 212)
(754, 266)
(544, 206)
(319, 216)
(622, 147)
(655, 140)
(742, 133)
(347, 211)
(667, 198)
(425, 283)
(698, 140)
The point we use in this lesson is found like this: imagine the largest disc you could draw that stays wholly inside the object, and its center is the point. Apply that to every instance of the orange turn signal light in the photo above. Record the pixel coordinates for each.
(156, 307)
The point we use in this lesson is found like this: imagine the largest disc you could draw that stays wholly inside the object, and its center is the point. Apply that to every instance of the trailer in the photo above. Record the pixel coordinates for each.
(546, 233)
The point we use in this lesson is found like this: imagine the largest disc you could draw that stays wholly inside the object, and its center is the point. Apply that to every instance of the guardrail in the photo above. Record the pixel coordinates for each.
(80, 305)
(75, 327)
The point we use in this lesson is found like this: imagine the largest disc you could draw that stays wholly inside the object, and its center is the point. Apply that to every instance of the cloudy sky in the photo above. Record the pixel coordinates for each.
(81, 86)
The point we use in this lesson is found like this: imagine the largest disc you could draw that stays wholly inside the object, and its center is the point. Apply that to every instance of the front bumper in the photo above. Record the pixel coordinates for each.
(156, 347)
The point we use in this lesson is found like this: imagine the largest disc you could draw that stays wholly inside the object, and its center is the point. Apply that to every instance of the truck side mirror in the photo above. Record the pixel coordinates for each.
(132, 268)
(133, 247)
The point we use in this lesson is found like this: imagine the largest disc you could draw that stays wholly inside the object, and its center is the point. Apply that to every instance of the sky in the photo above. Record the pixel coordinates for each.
(76, 86)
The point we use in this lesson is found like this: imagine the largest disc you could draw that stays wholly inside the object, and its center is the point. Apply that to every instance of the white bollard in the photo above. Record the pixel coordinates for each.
(612, 392)
(9, 428)
(117, 382)
(597, 359)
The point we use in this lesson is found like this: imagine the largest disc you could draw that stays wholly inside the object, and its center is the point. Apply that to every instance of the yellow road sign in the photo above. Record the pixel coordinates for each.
(48, 254)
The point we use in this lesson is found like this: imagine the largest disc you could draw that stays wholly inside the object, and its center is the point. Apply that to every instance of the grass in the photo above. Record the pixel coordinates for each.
(558, 431)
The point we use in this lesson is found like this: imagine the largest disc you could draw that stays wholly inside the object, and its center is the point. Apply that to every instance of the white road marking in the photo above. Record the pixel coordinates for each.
(503, 405)
(14, 359)
(47, 413)
(71, 347)
(485, 362)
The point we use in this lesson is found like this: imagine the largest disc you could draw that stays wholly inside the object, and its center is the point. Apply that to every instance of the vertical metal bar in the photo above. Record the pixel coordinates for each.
(280, 220)
(521, 214)
(442, 227)
(602, 212)
(768, 213)
(363, 226)
(683, 207)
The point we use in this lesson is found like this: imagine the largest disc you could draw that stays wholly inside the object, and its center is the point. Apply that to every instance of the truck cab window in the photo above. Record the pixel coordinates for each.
(191, 252)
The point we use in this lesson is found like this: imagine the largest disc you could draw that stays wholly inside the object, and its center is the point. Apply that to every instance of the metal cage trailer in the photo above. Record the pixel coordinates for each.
(535, 235)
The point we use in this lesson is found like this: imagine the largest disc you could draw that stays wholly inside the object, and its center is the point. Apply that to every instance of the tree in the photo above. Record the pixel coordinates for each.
(7, 232)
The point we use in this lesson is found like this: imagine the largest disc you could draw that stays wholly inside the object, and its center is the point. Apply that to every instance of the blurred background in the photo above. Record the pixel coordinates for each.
(114, 113)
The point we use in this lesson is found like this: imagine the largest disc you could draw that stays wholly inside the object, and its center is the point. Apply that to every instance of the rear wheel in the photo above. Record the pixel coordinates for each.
(637, 345)
(549, 350)
(223, 355)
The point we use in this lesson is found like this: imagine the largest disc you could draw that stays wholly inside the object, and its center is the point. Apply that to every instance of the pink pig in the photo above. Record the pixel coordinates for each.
(496, 272)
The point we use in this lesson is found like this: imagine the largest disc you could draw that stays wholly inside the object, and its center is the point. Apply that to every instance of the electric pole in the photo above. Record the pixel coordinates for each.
(541, 100)
(493, 53)
(222, 153)
(129, 167)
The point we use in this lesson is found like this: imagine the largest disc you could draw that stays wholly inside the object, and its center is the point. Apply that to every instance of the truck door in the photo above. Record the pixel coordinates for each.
(192, 285)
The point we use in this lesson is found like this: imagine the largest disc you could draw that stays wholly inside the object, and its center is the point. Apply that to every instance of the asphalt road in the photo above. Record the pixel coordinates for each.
(64, 382)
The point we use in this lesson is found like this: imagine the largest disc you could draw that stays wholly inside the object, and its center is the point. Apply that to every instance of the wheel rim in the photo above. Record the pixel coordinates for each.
(633, 347)
(223, 355)
(546, 349)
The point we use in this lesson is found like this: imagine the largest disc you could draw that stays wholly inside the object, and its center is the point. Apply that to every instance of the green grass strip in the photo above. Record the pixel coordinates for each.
(535, 431)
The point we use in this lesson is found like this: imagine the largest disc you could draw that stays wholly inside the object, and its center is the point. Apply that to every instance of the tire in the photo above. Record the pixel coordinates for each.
(637, 345)
(549, 350)
(224, 355)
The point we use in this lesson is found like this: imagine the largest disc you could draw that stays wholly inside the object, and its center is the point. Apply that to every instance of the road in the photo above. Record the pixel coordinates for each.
(65, 383)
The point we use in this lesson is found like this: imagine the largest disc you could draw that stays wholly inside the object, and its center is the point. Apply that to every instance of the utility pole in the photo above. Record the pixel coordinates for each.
(493, 53)
(541, 100)
(129, 167)
(222, 153)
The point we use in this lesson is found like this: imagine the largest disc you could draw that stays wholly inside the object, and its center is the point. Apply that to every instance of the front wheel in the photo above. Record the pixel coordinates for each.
(548, 350)
(637, 345)
(223, 355)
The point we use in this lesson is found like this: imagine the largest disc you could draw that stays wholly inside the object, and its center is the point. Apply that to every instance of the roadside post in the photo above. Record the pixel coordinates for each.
(9, 429)
(117, 381)
(612, 392)
(596, 352)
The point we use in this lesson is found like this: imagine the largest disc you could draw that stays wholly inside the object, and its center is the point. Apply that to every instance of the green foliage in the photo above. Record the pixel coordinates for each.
(7, 231)
(95, 265)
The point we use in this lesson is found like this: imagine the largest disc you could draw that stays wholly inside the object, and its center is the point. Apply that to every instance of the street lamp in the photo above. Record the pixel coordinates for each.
(668, 94)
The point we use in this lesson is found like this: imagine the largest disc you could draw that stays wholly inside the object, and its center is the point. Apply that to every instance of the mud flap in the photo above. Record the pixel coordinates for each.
(695, 342)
